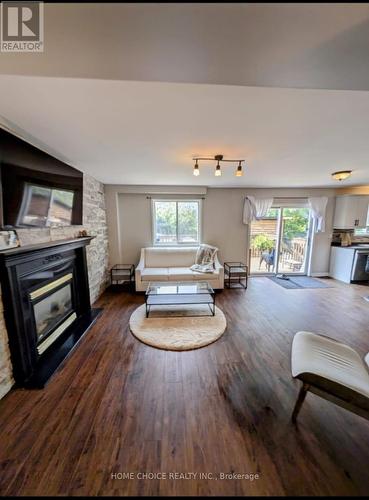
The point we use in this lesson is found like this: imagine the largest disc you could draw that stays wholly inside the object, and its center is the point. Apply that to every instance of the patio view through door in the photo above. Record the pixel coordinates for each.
(279, 242)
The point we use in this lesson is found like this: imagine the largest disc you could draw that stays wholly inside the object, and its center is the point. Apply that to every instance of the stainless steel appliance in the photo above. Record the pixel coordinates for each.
(359, 265)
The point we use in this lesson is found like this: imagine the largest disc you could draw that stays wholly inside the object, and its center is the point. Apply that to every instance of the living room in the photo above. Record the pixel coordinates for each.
(184, 251)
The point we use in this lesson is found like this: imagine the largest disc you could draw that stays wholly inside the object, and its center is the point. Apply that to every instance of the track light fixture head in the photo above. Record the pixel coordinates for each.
(239, 172)
(218, 172)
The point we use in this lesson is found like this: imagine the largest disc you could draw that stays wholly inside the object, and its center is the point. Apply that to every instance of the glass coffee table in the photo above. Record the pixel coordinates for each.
(179, 293)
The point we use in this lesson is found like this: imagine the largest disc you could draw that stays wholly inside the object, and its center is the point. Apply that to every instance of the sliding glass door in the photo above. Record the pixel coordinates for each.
(264, 243)
(279, 242)
(293, 241)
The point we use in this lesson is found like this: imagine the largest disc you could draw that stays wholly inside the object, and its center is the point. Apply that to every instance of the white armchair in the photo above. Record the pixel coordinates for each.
(331, 370)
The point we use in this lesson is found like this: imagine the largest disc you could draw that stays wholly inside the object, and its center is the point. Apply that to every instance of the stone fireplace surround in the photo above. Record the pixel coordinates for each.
(94, 221)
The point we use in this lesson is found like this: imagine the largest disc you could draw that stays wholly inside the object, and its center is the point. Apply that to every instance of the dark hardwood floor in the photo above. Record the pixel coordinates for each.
(119, 406)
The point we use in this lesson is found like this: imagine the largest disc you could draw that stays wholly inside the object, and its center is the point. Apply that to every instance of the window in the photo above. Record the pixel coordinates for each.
(363, 231)
(176, 222)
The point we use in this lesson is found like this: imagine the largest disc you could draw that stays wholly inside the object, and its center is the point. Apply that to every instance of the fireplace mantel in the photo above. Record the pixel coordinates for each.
(27, 274)
(48, 245)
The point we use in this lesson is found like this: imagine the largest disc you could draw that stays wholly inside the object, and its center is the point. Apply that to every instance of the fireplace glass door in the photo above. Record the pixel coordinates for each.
(52, 309)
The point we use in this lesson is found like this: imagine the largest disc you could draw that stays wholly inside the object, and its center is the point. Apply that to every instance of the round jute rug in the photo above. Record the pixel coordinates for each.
(177, 328)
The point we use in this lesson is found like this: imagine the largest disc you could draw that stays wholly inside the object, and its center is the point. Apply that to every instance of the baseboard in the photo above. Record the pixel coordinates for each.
(320, 275)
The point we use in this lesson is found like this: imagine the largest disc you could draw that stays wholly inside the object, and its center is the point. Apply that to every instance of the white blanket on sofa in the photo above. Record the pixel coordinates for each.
(205, 257)
(206, 268)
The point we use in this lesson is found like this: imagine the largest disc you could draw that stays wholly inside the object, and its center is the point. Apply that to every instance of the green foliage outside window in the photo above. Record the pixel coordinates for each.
(295, 222)
(262, 242)
(168, 227)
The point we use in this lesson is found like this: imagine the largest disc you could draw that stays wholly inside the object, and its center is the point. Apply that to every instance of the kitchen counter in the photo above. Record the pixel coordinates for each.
(344, 262)
(354, 247)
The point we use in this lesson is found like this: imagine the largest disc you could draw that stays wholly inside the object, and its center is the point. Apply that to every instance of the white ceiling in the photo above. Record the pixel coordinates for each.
(130, 92)
(254, 44)
(147, 133)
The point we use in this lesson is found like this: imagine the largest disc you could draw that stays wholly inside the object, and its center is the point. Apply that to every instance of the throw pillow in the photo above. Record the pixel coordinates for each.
(205, 255)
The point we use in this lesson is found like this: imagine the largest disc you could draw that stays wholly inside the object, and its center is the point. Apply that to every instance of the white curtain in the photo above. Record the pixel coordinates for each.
(318, 207)
(255, 208)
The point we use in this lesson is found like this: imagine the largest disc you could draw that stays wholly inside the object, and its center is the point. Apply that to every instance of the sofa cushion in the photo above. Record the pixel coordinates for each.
(170, 257)
(180, 274)
(206, 276)
(186, 274)
(154, 274)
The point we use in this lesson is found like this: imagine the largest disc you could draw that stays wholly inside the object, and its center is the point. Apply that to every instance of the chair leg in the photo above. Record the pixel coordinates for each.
(300, 400)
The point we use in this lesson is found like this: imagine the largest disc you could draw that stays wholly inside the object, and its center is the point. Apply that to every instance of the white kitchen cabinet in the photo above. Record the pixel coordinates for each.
(341, 263)
(351, 211)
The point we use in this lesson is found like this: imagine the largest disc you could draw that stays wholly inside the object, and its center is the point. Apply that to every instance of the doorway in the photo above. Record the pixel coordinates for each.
(279, 242)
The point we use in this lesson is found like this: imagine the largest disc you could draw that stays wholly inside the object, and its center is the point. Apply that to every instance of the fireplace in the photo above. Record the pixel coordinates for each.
(46, 306)
(53, 310)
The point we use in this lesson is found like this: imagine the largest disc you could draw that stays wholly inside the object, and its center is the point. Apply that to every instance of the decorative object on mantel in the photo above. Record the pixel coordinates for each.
(83, 233)
(9, 239)
(341, 175)
(218, 159)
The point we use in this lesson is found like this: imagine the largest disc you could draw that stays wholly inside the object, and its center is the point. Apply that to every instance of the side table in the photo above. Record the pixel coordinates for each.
(121, 274)
(235, 273)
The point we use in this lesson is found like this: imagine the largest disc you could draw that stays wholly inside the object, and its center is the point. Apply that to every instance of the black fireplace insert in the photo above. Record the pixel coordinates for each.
(46, 306)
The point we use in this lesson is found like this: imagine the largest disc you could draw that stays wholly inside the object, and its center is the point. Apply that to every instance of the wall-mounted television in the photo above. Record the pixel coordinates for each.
(37, 190)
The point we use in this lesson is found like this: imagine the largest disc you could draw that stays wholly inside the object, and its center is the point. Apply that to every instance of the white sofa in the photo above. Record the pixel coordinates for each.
(173, 264)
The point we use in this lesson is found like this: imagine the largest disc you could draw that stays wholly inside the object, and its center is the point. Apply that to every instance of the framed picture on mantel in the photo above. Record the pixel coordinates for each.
(8, 239)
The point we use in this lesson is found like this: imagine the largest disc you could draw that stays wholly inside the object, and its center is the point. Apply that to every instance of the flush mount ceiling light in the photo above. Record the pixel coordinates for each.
(218, 159)
(341, 175)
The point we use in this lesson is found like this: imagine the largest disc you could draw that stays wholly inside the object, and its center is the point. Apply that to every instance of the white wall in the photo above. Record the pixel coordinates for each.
(222, 223)
(129, 221)
(135, 225)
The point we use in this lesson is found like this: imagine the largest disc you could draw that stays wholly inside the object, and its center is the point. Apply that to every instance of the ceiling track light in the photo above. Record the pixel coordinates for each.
(218, 159)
